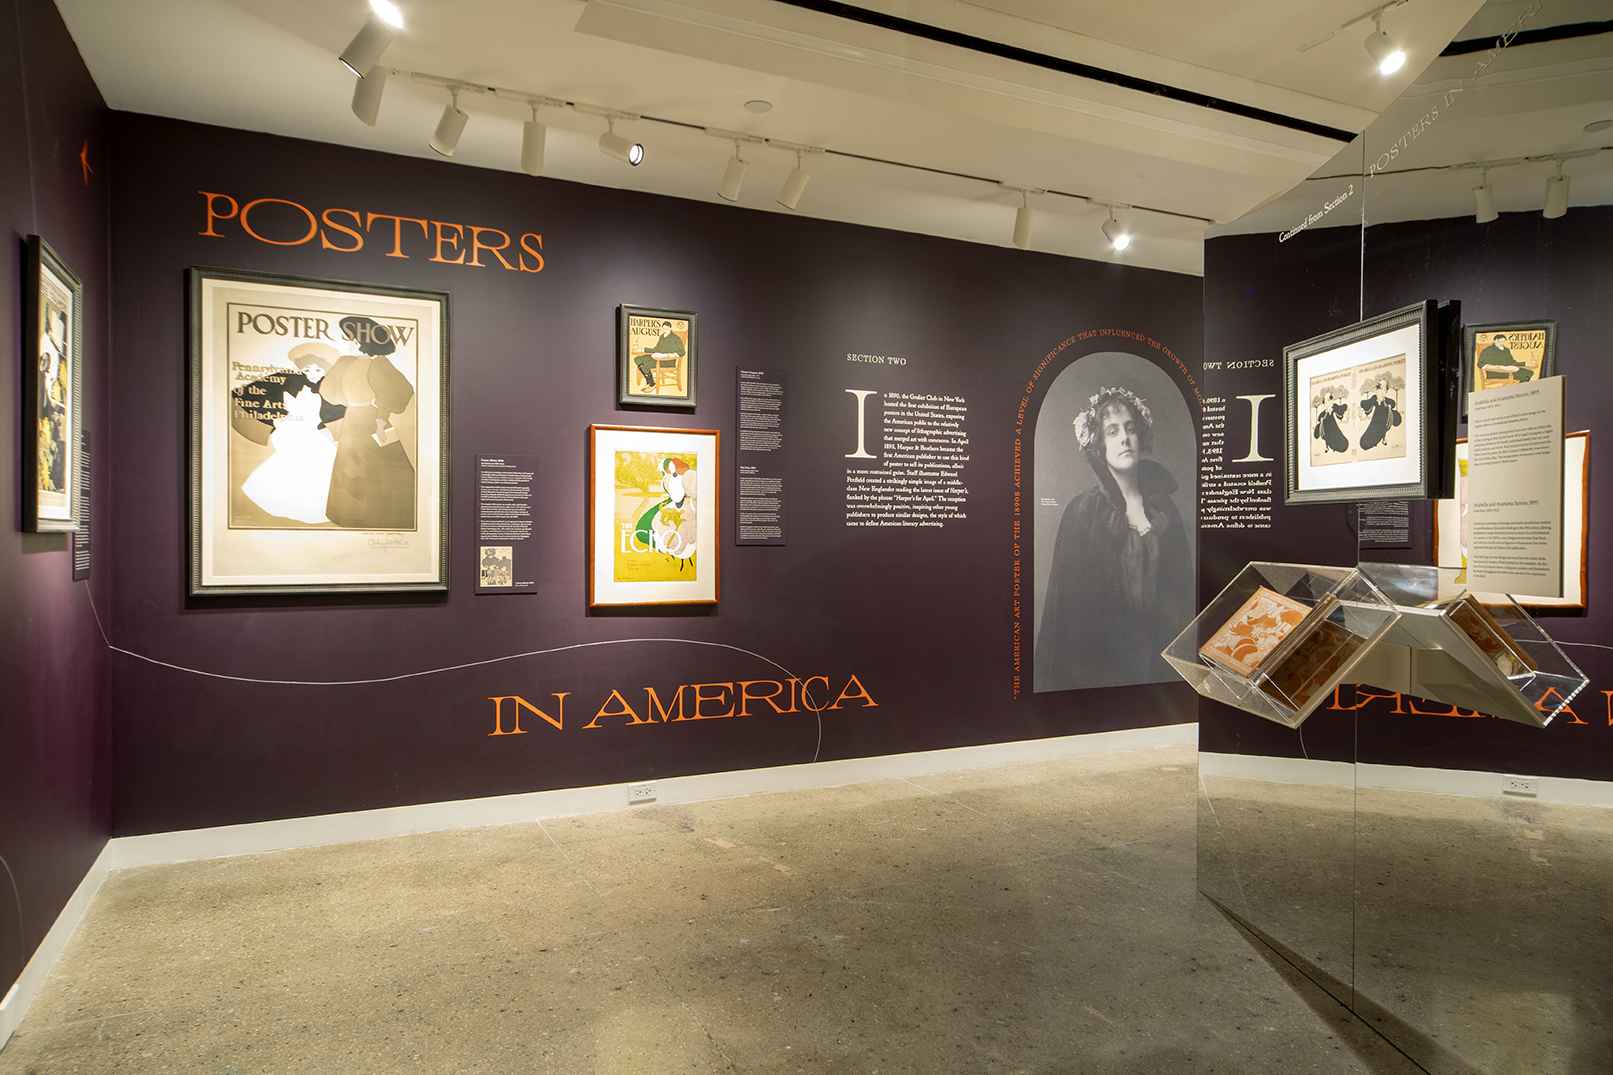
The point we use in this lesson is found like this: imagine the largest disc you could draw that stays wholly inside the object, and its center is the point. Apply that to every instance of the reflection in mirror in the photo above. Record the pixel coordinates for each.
(1276, 848)
(1478, 926)
(1519, 98)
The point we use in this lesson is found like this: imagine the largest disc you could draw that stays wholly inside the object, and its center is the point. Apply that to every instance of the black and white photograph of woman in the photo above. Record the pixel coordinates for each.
(1117, 585)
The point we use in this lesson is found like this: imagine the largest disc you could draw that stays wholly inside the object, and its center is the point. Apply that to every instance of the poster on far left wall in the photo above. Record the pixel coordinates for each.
(319, 435)
(52, 391)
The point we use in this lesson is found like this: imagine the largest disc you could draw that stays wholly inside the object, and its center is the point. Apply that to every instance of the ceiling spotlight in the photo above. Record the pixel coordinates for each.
(1024, 217)
(733, 176)
(367, 95)
(533, 135)
(758, 106)
(614, 145)
(388, 11)
(794, 185)
(1385, 53)
(451, 126)
(1556, 194)
(1599, 126)
(365, 49)
(1484, 199)
(1116, 234)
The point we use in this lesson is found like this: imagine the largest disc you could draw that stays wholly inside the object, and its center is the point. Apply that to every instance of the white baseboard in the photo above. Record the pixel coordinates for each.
(1328, 774)
(226, 840)
(22, 992)
(1474, 785)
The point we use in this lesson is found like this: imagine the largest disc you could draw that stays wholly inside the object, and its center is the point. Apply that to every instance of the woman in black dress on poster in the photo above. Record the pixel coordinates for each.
(1384, 411)
(1331, 408)
(1120, 588)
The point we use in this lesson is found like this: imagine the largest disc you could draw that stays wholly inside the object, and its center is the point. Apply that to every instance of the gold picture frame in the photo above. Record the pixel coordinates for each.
(653, 516)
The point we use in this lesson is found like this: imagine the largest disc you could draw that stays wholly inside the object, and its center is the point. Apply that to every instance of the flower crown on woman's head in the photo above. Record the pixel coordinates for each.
(1087, 426)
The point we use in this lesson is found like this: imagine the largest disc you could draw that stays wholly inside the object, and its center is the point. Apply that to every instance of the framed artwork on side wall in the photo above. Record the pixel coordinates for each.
(318, 435)
(1499, 355)
(1365, 410)
(657, 357)
(1450, 526)
(52, 391)
(652, 508)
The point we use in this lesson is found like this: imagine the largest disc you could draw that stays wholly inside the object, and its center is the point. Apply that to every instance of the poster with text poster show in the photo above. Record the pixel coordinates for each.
(319, 428)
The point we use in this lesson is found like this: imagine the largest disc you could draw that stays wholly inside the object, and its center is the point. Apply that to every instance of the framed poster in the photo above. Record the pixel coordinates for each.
(52, 390)
(1450, 521)
(318, 435)
(652, 511)
(1495, 356)
(1364, 410)
(657, 356)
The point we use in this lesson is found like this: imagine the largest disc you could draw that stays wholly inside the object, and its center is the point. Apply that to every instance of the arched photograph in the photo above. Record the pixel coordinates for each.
(1114, 494)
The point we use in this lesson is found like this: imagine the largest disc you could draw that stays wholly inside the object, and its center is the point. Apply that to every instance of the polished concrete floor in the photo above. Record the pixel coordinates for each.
(1029, 918)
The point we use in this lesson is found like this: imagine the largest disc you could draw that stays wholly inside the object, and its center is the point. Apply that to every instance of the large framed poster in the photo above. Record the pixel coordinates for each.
(652, 510)
(1364, 408)
(318, 435)
(52, 390)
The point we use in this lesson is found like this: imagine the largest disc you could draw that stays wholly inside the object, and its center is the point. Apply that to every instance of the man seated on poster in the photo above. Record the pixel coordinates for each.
(1498, 364)
(255, 406)
(668, 346)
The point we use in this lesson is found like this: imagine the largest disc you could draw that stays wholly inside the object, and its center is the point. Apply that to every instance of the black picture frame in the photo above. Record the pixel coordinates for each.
(383, 405)
(661, 379)
(1367, 409)
(52, 391)
(1538, 360)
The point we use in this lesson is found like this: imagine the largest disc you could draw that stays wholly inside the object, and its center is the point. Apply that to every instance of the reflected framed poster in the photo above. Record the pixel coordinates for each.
(318, 435)
(52, 390)
(652, 510)
(1500, 355)
(1450, 526)
(1364, 410)
(657, 357)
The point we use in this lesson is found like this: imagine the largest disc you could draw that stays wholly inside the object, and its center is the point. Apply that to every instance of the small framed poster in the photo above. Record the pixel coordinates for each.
(318, 435)
(1450, 526)
(52, 390)
(1364, 409)
(652, 508)
(657, 357)
(1495, 356)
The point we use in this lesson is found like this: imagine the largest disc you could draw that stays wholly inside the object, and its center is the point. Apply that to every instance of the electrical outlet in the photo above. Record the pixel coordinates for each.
(1520, 785)
(640, 793)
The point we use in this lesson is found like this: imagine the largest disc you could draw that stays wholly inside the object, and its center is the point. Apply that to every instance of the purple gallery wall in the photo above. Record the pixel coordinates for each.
(1261, 295)
(924, 619)
(55, 679)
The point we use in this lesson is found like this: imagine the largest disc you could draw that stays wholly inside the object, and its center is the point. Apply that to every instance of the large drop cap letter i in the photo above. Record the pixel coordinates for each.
(862, 395)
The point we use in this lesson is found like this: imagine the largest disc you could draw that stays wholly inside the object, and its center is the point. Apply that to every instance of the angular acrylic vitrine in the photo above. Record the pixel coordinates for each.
(1449, 647)
(1280, 637)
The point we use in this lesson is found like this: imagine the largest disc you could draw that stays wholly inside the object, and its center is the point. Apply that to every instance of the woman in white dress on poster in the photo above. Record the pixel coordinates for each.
(294, 482)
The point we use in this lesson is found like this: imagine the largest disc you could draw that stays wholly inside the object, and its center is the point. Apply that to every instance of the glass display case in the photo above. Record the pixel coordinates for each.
(1280, 637)
(1448, 646)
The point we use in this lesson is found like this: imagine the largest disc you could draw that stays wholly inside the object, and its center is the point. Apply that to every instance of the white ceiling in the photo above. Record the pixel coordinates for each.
(270, 65)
